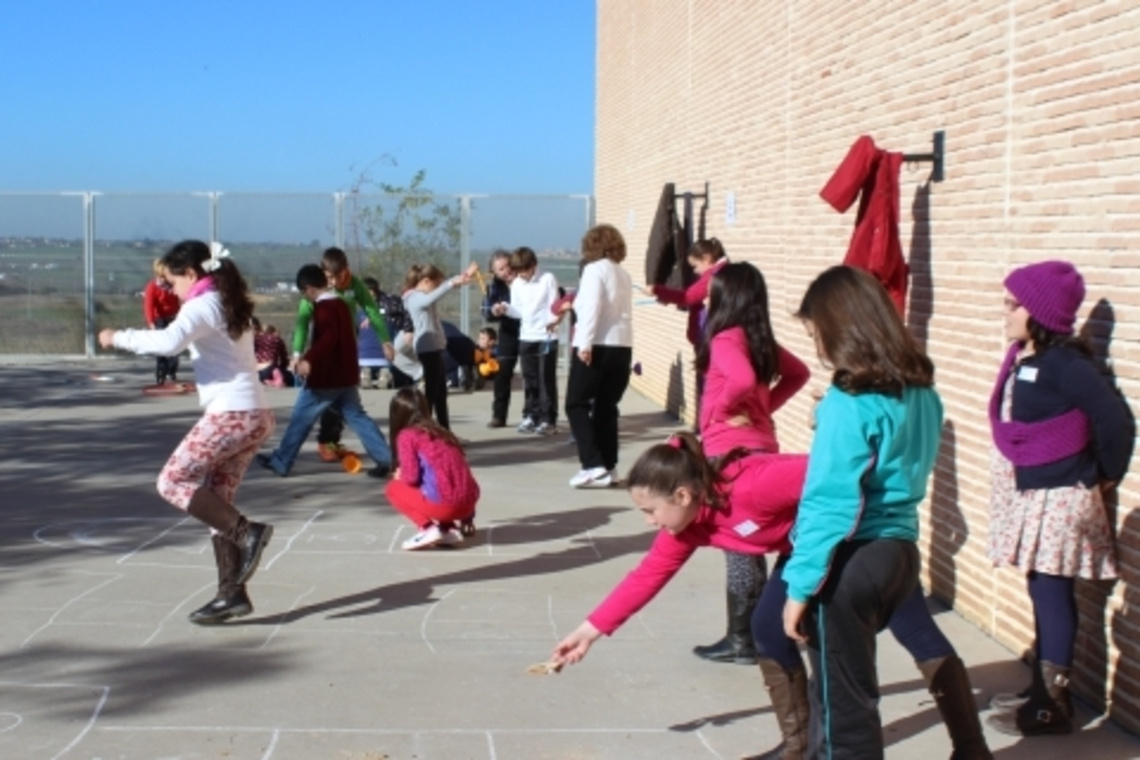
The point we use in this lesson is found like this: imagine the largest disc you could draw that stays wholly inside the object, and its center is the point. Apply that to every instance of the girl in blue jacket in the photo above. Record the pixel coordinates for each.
(854, 559)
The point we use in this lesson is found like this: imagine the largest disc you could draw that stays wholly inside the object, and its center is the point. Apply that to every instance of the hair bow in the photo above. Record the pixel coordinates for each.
(674, 441)
(217, 253)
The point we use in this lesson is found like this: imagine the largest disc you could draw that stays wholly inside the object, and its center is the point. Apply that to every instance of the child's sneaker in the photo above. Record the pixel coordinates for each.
(429, 536)
(546, 428)
(527, 425)
(467, 527)
(595, 477)
(330, 452)
(450, 537)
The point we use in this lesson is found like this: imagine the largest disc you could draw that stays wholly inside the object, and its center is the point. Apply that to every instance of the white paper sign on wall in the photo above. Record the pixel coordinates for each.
(630, 218)
(730, 209)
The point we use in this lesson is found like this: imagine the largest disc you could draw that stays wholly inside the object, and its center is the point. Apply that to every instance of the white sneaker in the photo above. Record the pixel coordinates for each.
(546, 429)
(453, 537)
(429, 536)
(527, 425)
(591, 478)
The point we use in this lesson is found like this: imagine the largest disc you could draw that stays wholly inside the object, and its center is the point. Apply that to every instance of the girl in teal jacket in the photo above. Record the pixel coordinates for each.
(854, 559)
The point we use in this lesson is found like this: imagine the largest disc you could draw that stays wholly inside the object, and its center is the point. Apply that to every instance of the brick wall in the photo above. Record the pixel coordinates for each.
(1040, 104)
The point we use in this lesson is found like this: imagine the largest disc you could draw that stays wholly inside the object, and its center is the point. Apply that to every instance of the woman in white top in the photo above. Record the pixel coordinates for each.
(206, 469)
(532, 294)
(603, 355)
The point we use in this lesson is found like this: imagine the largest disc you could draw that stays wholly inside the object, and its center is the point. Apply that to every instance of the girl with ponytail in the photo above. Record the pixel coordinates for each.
(744, 502)
(204, 472)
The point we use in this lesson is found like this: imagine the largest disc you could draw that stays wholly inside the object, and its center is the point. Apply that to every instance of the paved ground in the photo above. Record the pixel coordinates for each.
(356, 649)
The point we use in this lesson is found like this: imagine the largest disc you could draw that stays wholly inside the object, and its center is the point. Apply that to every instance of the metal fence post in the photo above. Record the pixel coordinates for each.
(464, 260)
(89, 273)
(338, 220)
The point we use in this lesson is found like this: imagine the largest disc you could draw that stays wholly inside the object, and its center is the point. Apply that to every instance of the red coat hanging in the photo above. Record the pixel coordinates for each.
(872, 175)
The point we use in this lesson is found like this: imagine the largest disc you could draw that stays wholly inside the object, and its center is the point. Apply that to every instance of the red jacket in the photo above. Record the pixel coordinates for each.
(159, 303)
(872, 175)
(332, 350)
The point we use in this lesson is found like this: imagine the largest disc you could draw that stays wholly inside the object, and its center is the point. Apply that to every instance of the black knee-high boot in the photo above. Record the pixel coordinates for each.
(737, 645)
(1049, 709)
(231, 600)
(949, 684)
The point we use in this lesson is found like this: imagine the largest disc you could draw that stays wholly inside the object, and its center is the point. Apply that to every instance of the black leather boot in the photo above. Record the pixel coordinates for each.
(1049, 709)
(788, 692)
(231, 600)
(737, 645)
(949, 684)
(250, 537)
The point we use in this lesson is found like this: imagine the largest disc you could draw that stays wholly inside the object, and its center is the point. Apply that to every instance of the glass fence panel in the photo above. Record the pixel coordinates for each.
(42, 303)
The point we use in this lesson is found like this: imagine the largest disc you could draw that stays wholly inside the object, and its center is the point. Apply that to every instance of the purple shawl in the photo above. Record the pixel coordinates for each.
(1028, 444)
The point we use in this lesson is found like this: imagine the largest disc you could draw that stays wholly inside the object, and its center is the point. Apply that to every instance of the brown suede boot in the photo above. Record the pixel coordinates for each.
(250, 537)
(1049, 709)
(231, 600)
(949, 684)
(788, 692)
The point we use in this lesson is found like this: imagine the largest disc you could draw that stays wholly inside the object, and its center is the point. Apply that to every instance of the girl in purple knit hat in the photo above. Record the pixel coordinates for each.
(1062, 436)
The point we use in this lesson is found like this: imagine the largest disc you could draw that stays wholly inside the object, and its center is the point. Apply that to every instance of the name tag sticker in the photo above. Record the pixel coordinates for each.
(746, 528)
(1028, 374)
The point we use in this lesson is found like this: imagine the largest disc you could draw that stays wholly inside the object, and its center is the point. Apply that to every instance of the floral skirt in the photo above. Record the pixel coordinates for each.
(1057, 531)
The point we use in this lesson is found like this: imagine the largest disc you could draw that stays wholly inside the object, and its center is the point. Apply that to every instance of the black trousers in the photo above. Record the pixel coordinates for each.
(867, 582)
(435, 385)
(592, 396)
(508, 357)
(165, 366)
(539, 360)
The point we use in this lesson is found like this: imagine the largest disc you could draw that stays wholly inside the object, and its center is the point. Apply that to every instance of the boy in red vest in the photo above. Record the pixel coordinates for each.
(330, 370)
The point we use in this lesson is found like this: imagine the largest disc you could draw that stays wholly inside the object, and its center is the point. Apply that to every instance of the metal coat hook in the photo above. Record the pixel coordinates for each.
(936, 156)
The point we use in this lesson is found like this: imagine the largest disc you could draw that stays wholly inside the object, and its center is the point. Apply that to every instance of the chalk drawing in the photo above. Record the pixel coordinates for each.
(424, 622)
(84, 531)
(8, 721)
(104, 692)
(67, 604)
(293, 538)
(201, 591)
(283, 615)
(159, 537)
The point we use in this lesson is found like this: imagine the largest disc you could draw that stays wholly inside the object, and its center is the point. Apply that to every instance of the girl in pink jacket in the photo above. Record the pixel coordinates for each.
(747, 377)
(432, 484)
(743, 503)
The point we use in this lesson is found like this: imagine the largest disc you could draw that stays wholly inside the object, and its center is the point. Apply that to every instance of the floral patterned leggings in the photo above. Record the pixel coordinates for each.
(214, 454)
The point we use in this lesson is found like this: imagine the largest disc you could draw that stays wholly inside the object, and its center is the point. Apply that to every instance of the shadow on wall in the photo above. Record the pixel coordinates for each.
(1092, 596)
(921, 290)
(675, 392)
(949, 531)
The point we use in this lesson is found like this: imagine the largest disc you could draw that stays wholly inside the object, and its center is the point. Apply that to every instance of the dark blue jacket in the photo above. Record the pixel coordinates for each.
(500, 292)
(1056, 381)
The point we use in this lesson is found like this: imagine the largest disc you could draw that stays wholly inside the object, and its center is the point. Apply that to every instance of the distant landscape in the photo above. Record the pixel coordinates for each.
(42, 286)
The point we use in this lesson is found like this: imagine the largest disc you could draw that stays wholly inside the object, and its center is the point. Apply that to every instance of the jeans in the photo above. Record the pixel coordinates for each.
(311, 403)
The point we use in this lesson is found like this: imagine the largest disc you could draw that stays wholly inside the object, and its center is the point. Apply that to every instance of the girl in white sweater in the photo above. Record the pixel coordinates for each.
(204, 472)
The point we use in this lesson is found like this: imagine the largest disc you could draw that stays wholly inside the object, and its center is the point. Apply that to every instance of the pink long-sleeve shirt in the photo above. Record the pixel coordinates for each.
(437, 467)
(691, 298)
(733, 390)
(761, 498)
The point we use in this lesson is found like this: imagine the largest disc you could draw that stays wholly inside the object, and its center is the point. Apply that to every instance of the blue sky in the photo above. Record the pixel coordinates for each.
(486, 96)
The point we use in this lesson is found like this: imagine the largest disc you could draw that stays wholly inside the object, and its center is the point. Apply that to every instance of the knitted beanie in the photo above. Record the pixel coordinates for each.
(1051, 291)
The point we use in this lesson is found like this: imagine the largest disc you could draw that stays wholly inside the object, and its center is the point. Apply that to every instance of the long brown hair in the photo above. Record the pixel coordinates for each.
(859, 332)
(190, 255)
(738, 297)
(410, 408)
(680, 461)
